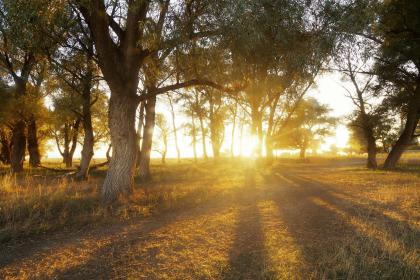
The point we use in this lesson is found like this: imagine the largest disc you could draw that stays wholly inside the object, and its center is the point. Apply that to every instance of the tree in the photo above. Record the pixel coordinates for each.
(276, 50)
(308, 125)
(74, 64)
(164, 132)
(191, 131)
(216, 116)
(22, 45)
(66, 121)
(233, 112)
(174, 128)
(355, 57)
(126, 34)
(398, 66)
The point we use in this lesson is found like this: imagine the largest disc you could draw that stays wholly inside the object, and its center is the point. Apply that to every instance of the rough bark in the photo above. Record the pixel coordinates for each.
(146, 147)
(18, 147)
(119, 179)
(120, 64)
(88, 141)
(33, 145)
(406, 136)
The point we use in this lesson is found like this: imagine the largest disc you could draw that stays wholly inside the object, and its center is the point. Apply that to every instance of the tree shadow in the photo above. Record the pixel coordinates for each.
(248, 257)
(330, 244)
(111, 261)
(373, 215)
(193, 200)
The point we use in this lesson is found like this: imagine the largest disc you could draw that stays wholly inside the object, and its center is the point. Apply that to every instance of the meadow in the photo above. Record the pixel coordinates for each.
(230, 219)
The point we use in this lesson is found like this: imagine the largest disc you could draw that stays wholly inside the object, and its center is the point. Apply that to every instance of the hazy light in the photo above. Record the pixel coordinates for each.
(249, 145)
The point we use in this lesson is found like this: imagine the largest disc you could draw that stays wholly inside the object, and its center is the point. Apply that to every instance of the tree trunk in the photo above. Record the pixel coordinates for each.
(260, 138)
(68, 160)
(164, 158)
(407, 134)
(203, 138)
(33, 146)
(216, 149)
(88, 141)
(241, 137)
(178, 151)
(216, 140)
(108, 153)
(71, 134)
(194, 138)
(140, 131)
(302, 153)
(256, 130)
(232, 144)
(146, 147)
(371, 149)
(5, 148)
(269, 148)
(120, 176)
(18, 147)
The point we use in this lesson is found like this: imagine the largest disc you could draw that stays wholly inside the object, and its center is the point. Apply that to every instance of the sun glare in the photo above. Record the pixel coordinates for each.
(249, 145)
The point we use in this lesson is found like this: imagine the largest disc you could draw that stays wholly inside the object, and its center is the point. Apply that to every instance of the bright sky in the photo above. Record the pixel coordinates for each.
(328, 91)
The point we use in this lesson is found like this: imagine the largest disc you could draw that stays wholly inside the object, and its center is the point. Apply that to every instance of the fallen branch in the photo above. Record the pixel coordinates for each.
(53, 169)
(96, 166)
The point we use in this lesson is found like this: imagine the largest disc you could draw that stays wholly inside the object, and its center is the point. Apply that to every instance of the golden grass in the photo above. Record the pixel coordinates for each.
(220, 220)
(41, 201)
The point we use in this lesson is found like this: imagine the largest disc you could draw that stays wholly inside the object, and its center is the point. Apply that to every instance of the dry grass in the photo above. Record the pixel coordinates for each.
(223, 220)
(42, 201)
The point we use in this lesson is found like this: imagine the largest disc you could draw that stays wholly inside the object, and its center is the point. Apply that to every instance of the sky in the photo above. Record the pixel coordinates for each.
(328, 90)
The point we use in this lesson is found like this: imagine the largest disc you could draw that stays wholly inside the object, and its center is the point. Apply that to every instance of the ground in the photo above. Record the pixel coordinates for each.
(240, 220)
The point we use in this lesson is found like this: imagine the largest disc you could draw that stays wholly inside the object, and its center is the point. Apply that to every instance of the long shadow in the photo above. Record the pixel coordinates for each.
(353, 208)
(248, 257)
(98, 265)
(13, 253)
(330, 246)
(112, 262)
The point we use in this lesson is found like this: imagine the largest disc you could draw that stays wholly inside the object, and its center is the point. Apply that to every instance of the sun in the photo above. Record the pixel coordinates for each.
(249, 145)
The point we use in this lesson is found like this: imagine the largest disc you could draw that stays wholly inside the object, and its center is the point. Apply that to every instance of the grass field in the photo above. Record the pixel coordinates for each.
(233, 219)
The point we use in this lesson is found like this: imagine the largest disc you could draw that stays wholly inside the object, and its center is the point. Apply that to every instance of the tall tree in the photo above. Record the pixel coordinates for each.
(174, 128)
(125, 36)
(22, 44)
(354, 64)
(164, 132)
(276, 49)
(308, 125)
(74, 64)
(398, 66)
